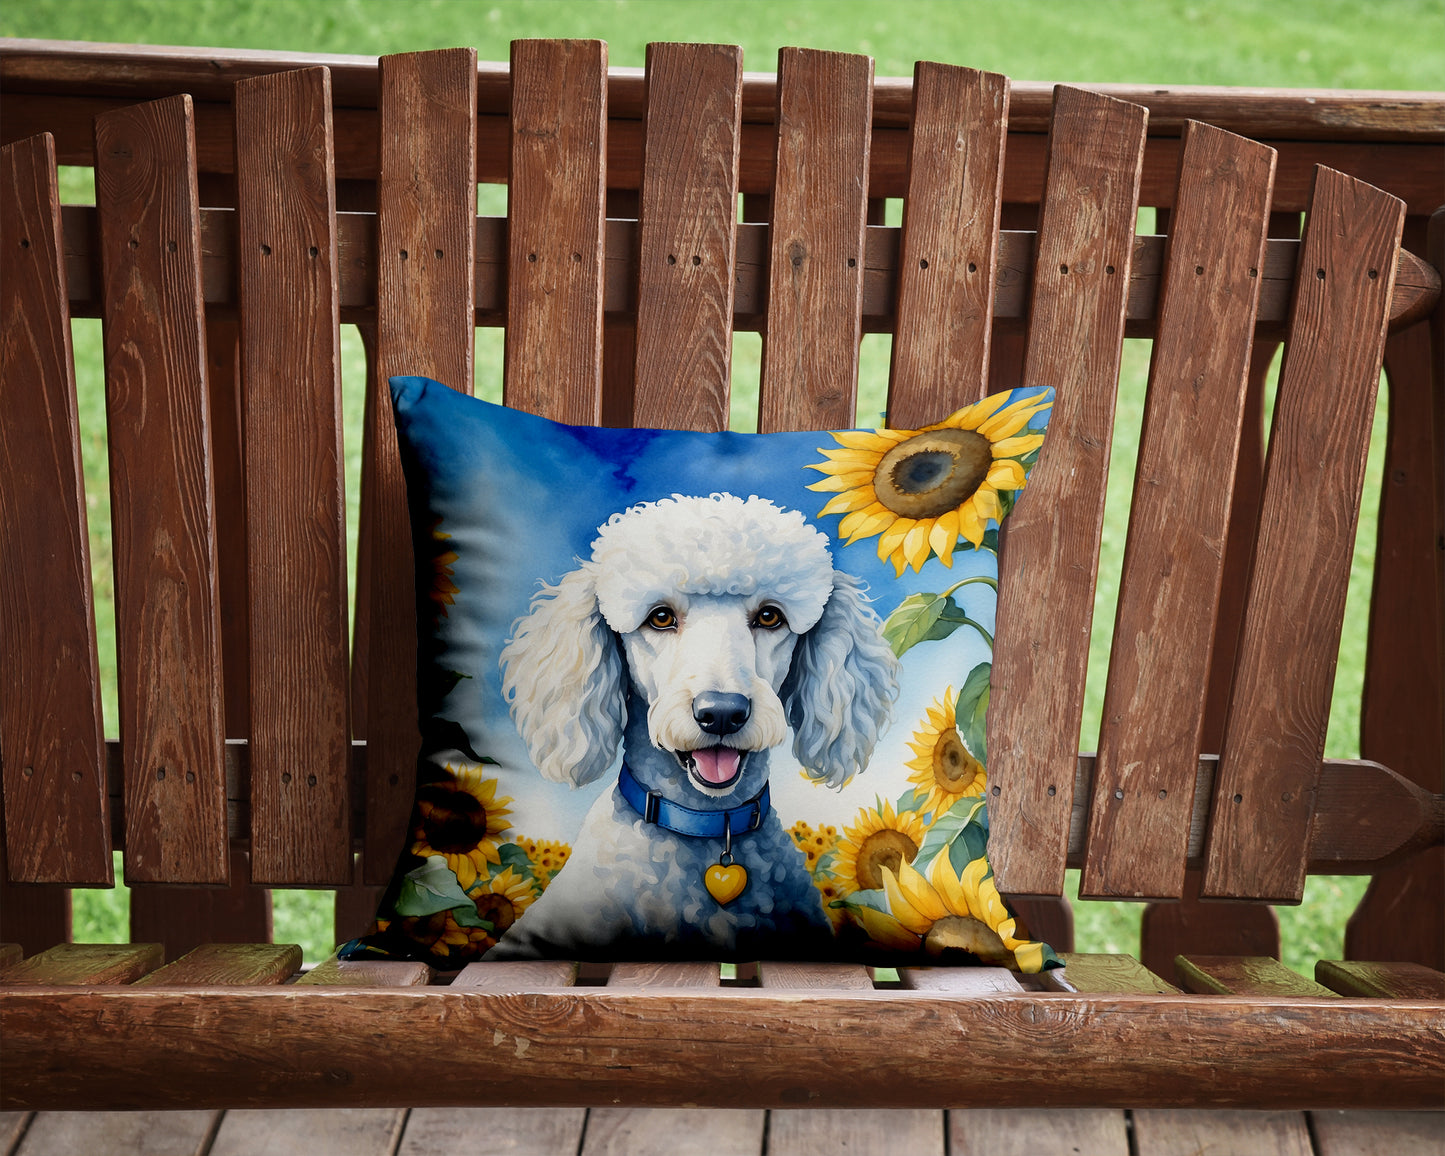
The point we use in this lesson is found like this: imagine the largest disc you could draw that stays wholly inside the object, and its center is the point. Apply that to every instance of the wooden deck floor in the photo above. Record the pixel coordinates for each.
(681, 1132)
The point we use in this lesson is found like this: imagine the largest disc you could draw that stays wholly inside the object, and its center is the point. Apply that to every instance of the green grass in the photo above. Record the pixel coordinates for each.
(1312, 43)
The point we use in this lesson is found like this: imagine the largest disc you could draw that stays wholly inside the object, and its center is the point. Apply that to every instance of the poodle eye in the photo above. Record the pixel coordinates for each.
(661, 618)
(769, 618)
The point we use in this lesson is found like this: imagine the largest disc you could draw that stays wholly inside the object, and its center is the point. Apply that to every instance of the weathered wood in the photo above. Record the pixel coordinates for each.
(642, 975)
(182, 918)
(687, 237)
(10, 953)
(1383, 980)
(228, 963)
(1095, 972)
(426, 216)
(947, 267)
(50, 723)
(816, 260)
(34, 915)
(526, 1131)
(328, 1132)
(85, 964)
(669, 1131)
(959, 980)
(12, 1126)
(555, 206)
(1343, 1133)
(814, 976)
(1163, 1133)
(1153, 714)
(1275, 732)
(168, 630)
(855, 1130)
(147, 1133)
(1376, 928)
(335, 972)
(1046, 586)
(529, 975)
(1029, 1131)
(295, 499)
(1242, 975)
(1191, 925)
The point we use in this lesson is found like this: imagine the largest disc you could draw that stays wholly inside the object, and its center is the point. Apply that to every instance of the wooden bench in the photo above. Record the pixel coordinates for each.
(245, 207)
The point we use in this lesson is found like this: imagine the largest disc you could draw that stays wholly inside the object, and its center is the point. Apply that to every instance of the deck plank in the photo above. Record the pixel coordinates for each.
(119, 1133)
(918, 1132)
(313, 1131)
(1378, 1133)
(1169, 1132)
(524, 1131)
(674, 1132)
(1030, 1131)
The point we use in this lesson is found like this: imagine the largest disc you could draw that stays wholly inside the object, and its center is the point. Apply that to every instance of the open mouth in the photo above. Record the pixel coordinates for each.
(713, 767)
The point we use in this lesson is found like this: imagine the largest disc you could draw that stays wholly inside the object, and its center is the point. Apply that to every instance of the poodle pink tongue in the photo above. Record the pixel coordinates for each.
(716, 765)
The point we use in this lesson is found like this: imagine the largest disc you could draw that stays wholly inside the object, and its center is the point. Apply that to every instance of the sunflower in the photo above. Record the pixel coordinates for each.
(830, 891)
(459, 819)
(813, 844)
(501, 899)
(942, 765)
(920, 489)
(545, 857)
(878, 838)
(442, 587)
(443, 936)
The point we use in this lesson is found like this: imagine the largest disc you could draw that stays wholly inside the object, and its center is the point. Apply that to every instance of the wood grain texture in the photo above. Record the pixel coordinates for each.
(949, 248)
(555, 207)
(1191, 926)
(1165, 1133)
(300, 1046)
(1153, 714)
(1242, 975)
(1275, 733)
(167, 616)
(814, 976)
(1046, 579)
(687, 237)
(70, 964)
(426, 217)
(12, 1127)
(335, 972)
(228, 963)
(1097, 972)
(1029, 1131)
(183, 917)
(1399, 915)
(959, 980)
(1377, 1133)
(295, 500)
(916, 1131)
(34, 915)
(524, 975)
(816, 242)
(525, 1131)
(1382, 980)
(120, 1133)
(324, 1132)
(674, 1132)
(50, 723)
(642, 975)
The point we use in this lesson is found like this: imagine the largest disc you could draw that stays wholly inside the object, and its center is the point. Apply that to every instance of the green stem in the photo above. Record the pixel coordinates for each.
(984, 578)
(987, 637)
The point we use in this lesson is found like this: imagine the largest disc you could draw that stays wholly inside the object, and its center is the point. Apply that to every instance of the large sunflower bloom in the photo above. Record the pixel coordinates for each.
(919, 490)
(879, 838)
(501, 899)
(942, 766)
(459, 818)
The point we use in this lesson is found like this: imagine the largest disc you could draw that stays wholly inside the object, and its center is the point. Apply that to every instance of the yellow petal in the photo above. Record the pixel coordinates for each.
(1007, 474)
(866, 522)
(1012, 418)
(972, 416)
(843, 480)
(847, 502)
(985, 504)
(465, 869)
(882, 928)
(893, 537)
(857, 459)
(863, 439)
(946, 885)
(942, 540)
(1030, 957)
(921, 897)
(970, 525)
(915, 545)
(1016, 447)
(913, 919)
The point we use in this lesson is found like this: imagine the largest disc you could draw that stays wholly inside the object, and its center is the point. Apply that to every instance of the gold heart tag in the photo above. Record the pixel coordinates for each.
(725, 883)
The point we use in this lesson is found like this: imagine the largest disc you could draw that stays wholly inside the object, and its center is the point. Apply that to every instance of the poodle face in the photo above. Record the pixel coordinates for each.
(725, 618)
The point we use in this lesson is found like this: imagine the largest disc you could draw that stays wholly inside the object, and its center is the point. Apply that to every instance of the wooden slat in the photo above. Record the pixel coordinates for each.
(34, 915)
(228, 963)
(1030, 1131)
(814, 976)
(1165, 1133)
(949, 249)
(543, 1131)
(523, 975)
(335, 972)
(182, 918)
(1242, 975)
(294, 493)
(320, 1132)
(1377, 1133)
(1046, 586)
(50, 723)
(1097, 972)
(10, 953)
(1275, 733)
(1192, 925)
(555, 205)
(148, 1133)
(674, 1132)
(167, 618)
(816, 259)
(1153, 714)
(917, 1131)
(959, 980)
(664, 975)
(426, 216)
(687, 236)
(1382, 980)
(85, 963)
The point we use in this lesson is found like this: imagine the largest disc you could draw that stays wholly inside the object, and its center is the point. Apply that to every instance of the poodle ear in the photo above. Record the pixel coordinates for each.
(840, 691)
(562, 675)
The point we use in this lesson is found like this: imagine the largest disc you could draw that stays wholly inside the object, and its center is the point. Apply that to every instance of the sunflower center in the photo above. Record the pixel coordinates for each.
(497, 910)
(932, 472)
(454, 821)
(954, 769)
(882, 849)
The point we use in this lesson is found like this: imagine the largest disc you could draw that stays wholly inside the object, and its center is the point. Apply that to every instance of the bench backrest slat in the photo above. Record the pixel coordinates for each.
(949, 248)
(57, 823)
(168, 639)
(1153, 715)
(687, 236)
(556, 229)
(1275, 732)
(426, 229)
(816, 265)
(1046, 586)
(295, 502)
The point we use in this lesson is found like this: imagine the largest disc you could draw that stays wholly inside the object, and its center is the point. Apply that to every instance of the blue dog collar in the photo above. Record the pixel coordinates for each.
(682, 820)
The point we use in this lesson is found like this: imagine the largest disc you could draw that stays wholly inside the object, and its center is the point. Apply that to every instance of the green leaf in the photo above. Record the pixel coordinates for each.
(912, 621)
(949, 827)
(434, 887)
(444, 734)
(514, 856)
(971, 711)
(912, 801)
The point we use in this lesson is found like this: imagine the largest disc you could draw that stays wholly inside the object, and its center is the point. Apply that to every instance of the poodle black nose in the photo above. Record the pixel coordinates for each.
(721, 714)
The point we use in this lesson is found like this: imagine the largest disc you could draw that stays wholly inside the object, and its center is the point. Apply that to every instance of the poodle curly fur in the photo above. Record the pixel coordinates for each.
(681, 598)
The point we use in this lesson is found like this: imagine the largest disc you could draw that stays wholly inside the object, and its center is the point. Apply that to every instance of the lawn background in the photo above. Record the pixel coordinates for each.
(1378, 44)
